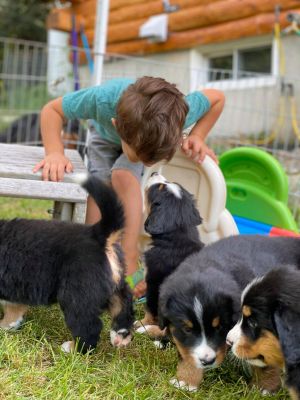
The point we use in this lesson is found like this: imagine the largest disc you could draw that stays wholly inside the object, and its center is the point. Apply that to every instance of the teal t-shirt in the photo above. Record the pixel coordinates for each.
(99, 104)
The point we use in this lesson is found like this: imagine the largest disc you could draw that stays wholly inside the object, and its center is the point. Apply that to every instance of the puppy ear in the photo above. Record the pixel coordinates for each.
(163, 312)
(162, 321)
(287, 314)
(189, 214)
(194, 218)
(154, 222)
(159, 221)
(288, 328)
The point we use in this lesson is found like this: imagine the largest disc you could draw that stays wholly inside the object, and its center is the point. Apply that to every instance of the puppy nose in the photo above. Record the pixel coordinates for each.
(154, 173)
(207, 361)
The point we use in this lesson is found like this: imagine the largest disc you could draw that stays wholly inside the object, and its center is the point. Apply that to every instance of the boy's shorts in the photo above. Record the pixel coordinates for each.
(105, 157)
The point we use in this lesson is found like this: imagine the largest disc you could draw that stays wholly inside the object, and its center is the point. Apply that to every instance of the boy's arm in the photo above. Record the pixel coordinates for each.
(194, 145)
(55, 163)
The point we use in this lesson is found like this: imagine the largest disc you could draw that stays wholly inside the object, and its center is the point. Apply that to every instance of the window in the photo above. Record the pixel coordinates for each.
(255, 60)
(241, 63)
(221, 68)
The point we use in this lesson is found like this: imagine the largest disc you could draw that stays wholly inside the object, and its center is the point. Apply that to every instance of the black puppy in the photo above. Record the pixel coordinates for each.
(199, 303)
(267, 334)
(78, 266)
(172, 223)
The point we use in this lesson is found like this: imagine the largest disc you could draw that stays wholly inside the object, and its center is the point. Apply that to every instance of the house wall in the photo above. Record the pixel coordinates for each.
(253, 106)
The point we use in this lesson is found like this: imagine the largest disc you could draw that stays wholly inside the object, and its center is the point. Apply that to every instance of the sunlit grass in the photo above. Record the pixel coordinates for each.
(32, 365)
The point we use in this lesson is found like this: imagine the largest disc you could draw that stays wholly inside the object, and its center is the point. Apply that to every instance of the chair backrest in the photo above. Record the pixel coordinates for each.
(206, 182)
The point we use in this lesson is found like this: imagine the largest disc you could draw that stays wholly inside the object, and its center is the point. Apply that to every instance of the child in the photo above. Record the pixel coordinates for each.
(134, 123)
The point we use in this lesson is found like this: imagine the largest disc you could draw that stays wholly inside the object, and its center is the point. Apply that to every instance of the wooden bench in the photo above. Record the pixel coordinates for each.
(18, 180)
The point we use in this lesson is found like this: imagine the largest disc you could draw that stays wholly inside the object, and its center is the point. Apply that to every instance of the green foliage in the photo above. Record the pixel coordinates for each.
(24, 19)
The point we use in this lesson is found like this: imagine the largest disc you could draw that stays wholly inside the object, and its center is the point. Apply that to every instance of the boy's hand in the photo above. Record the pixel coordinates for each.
(54, 166)
(196, 149)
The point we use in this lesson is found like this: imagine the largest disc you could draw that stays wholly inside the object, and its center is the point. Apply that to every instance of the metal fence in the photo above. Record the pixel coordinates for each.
(261, 111)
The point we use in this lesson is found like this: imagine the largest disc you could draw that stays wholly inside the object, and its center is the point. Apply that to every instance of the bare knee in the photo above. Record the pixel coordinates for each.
(123, 180)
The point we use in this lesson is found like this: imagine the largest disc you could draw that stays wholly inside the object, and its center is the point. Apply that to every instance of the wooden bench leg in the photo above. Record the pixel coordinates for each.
(79, 213)
(63, 211)
(75, 212)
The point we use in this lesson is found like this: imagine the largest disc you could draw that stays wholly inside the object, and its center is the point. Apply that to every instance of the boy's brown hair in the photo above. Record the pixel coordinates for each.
(150, 118)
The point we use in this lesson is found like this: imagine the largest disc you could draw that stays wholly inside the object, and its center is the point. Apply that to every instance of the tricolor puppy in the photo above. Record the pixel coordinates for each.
(200, 302)
(172, 223)
(267, 334)
(80, 267)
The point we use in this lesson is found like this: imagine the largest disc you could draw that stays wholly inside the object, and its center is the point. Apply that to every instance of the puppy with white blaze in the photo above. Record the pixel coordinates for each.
(200, 301)
(172, 220)
(80, 267)
(267, 334)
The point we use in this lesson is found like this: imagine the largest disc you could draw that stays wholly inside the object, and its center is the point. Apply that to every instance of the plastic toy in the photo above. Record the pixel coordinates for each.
(206, 182)
(247, 226)
(257, 187)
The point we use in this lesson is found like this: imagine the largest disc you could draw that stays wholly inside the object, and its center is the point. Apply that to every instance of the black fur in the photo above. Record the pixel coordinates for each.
(216, 276)
(172, 224)
(275, 307)
(44, 262)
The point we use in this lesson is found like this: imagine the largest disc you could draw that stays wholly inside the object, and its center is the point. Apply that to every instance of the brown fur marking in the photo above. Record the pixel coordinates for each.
(113, 239)
(115, 306)
(186, 369)
(220, 354)
(293, 393)
(268, 378)
(246, 311)
(215, 322)
(267, 345)
(12, 313)
(188, 323)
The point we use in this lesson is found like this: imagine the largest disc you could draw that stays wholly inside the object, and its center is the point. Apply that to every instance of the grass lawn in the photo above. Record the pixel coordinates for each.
(32, 365)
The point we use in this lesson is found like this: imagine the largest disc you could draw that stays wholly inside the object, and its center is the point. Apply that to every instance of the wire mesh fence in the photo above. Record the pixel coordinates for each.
(260, 111)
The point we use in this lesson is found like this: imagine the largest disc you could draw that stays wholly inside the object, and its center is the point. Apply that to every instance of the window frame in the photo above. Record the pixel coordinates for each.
(225, 49)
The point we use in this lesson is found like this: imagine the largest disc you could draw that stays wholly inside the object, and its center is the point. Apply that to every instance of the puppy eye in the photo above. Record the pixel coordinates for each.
(156, 204)
(252, 323)
(187, 327)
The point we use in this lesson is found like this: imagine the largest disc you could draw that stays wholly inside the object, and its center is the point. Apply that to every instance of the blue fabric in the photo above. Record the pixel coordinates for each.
(198, 106)
(99, 104)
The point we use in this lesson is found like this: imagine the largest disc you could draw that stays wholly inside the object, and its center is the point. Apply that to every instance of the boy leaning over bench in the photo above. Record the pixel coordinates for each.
(132, 124)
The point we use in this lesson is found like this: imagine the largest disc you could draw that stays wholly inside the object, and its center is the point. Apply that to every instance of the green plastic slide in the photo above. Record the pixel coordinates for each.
(257, 187)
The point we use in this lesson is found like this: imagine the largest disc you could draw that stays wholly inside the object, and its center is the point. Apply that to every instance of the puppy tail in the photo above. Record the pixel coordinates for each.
(112, 214)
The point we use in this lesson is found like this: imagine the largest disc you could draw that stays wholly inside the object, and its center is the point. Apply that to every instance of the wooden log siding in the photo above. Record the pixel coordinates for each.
(86, 8)
(253, 26)
(61, 19)
(149, 8)
(195, 17)
(223, 11)
(119, 4)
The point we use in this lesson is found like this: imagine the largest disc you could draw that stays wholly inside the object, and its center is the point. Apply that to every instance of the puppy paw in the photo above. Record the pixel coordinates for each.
(265, 392)
(152, 330)
(137, 324)
(68, 347)
(141, 328)
(11, 325)
(183, 385)
(120, 338)
(159, 344)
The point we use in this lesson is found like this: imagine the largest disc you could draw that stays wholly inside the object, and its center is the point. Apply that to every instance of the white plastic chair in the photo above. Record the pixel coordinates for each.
(206, 182)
